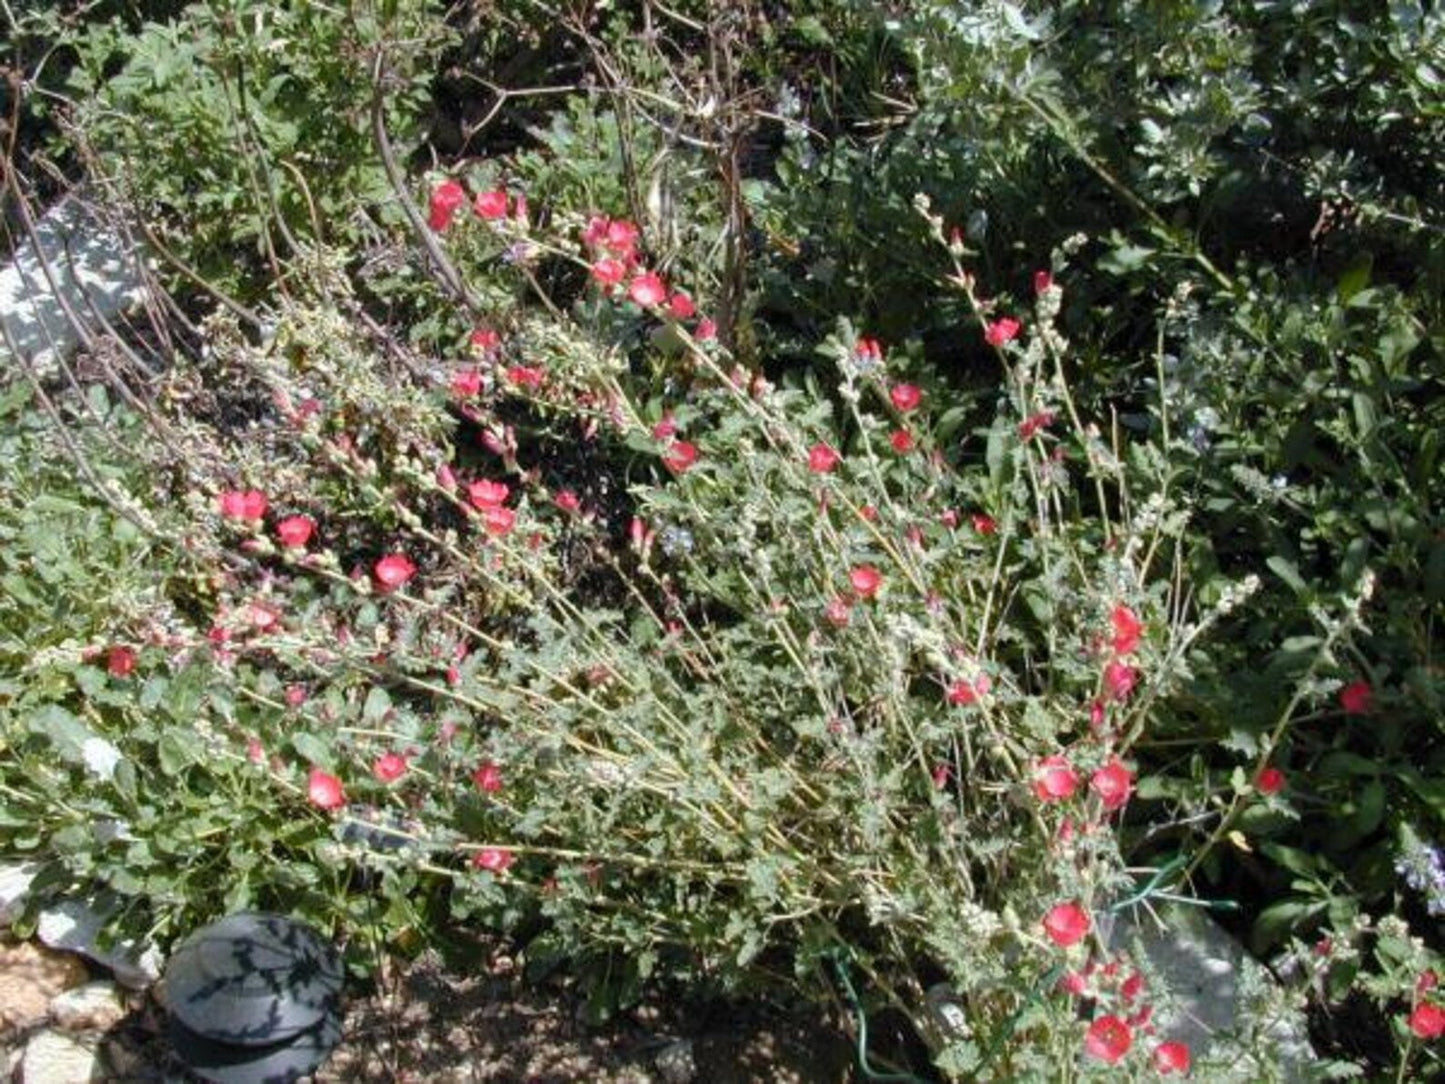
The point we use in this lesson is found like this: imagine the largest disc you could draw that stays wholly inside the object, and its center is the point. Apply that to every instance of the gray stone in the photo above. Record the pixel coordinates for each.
(15, 881)
(675, 1062)
(53, 1058)
(75, 925)
(96, 1006)
(83, 261)
(1209, 993)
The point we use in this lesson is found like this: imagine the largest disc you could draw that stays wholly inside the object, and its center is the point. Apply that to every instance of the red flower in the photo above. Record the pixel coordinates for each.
(1001, 331)
(1030, 426)
(902, 441)
(647, 290)
(1119, 680)
(484, 340)
(1113, 783)
(1357, 698)
(665, 429)
(445, 199)
(608, 271)
(1108, 1039)
(324, 790)
(243, 504)
(1066, 924)
(1055, 779)
(837, 613)
(488, 778)
(1171, 1058)
(940, 775)
(962, 693)
(680, 306)
(680, 457)
(497, 520)
(493, 859)
(984, 524)
(822, 459)
(1043, 281)
(491, 204)
(393, 570)
(865, 580)
(869, 352)
(1127, 630)
(120, 661)
(466, 383)
(906, 397)
(295, 531)
(525, 376)
(568, 501)
(706, 330)
(486, 494)
(1270, 781)
(1132, 987)
(389, 767)
(1427, 1020)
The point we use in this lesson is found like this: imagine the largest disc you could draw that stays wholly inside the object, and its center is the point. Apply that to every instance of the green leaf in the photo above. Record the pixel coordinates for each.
(1285, 569)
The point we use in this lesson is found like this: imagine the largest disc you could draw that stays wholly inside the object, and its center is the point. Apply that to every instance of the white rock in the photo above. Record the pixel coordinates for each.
(53, 1058)
(74, 925)
(96, 1006)
(15, 882)
(91, 269)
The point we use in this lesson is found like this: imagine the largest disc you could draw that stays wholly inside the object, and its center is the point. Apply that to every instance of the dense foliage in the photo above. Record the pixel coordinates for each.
(724, 490)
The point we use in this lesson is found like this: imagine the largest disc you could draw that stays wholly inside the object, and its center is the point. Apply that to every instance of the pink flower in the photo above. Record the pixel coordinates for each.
(389, 767)
(487, 494)
(680, 457)
(491, 204)
(609, 272)
(1030, 426)
(1108, 1039)
(665, 429)
(1113, 783)
(1055, 779)
(295, 695)
(1427, 1021)
(498, 520)
(393, 570)
(680, 306)
(1001, 331)
(488, 778)
(1127, 630)
(984, 524)
(940, 775)
(445, 199)
(1066, 924)
(243, 504)
(647, 290)
(120, 661)
(1043, 282)
(1427, 981)
(822, 459)
(525, 376)
(466, 383)
(1171, 1058)
(295, 531)
(837, 613)
(1119, 680)
(493, 859)
(901, 440)
(484, 340)
(568, 501)
(447, 478)
(868, 352)
(1357, 698)
(324, 790)
(1270, 781)
(906, 397)
(706, 331)
(865, 580)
